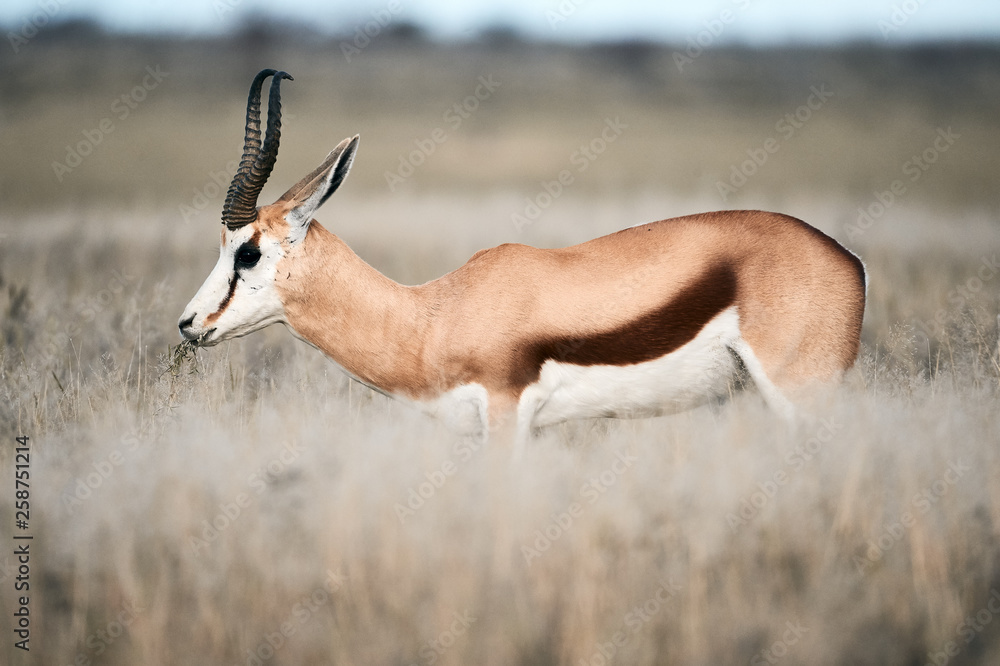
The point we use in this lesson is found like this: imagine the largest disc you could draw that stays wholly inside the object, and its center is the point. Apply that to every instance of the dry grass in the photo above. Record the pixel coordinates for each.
(717, 536)
(668, 550)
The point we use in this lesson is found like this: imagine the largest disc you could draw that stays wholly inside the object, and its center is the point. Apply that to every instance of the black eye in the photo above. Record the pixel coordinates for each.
(247, 256)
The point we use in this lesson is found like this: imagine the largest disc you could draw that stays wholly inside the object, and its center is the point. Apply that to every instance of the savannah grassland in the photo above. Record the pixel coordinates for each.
(250, 505)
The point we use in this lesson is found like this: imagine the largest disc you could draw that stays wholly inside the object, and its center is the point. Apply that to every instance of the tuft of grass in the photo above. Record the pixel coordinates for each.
(180, 356)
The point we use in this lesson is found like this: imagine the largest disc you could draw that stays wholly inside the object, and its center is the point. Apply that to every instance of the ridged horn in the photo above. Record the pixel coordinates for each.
(240, 208)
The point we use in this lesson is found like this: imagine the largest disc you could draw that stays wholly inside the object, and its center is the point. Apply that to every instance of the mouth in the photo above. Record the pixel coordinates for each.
(203, 340)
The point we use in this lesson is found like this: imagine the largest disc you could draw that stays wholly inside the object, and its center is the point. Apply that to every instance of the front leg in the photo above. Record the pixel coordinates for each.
(464, 410)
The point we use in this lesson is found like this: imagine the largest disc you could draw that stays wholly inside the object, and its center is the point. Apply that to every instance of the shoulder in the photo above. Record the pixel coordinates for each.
(500, 252)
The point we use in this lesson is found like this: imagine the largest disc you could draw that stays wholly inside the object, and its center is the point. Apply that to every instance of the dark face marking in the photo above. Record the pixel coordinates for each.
(247, 257)
(225, 302)
(647, 338)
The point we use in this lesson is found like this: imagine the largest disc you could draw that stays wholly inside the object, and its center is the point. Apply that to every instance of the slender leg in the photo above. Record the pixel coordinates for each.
(772, 396)
(482, 430)
(527, 408)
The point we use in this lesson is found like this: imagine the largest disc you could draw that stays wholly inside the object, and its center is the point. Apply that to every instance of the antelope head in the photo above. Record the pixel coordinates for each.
(240, 296)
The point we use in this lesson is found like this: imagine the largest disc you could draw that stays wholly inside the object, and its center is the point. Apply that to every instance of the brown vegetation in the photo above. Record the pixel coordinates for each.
(199, 510)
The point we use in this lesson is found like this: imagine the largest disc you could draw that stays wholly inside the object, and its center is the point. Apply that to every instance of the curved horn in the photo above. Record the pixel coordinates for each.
(251, 141)
(240, 207)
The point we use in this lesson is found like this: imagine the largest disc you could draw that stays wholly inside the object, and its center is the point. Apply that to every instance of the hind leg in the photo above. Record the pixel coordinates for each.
(532, 400)
(773, 397)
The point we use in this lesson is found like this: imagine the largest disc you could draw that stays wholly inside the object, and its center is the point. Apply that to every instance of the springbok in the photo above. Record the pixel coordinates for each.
(650, 320)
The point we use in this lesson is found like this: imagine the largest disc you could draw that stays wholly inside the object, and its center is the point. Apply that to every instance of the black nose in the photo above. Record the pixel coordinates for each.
(185, 324)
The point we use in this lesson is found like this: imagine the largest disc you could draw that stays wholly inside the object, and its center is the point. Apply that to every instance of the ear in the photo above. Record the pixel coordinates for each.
(312, 191)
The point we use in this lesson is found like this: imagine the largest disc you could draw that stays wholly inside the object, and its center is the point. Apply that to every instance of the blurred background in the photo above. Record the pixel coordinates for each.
(548, 123)
(700, 88)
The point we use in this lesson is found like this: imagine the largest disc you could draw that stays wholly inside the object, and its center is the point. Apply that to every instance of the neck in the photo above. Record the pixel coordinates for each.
(372, 326)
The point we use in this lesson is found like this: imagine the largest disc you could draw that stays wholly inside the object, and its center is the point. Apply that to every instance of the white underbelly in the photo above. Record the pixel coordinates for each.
(697, 372)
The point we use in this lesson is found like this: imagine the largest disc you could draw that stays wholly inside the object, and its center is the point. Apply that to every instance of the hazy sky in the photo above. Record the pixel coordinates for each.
(754, 21)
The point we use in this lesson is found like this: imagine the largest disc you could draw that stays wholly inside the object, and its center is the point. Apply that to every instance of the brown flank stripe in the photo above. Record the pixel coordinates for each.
(651, 336)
